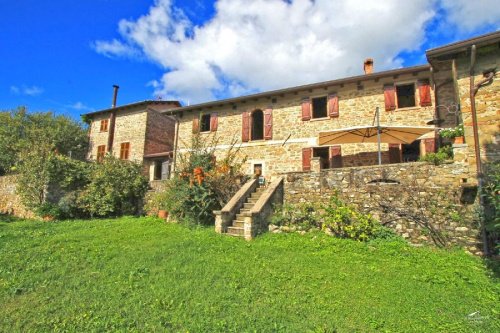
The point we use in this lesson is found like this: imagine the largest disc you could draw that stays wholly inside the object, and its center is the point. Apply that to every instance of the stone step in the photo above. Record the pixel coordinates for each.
(247, 206)
(238, 223)
(255, 195)
(240, 216)
(252, 200)
(235, 231)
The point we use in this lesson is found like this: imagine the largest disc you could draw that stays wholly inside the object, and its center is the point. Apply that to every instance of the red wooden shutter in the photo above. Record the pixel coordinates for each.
(306, 109)
(268, 123)
(424, 89)
(335, 157)
(394, 153)
(245, 130)
(333, 105)
(430, 145)
(390, 97)
(306, 159)
(213, 122)
(196, 124)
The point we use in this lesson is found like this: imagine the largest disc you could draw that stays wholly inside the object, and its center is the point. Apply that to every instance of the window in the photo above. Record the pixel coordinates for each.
(322, 153)
(104, 125)
(411, 152)
(101, 151)
(124, 150)
(161, 170)
(319, 107)
(329, 157)
(405, 95)
(257, 132)
(205, 123)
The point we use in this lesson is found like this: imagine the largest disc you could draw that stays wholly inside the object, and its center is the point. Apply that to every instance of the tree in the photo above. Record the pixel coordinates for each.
(22, 133)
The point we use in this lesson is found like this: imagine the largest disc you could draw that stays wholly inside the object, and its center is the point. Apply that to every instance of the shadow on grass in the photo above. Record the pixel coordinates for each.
(493, 263)
(9, 218)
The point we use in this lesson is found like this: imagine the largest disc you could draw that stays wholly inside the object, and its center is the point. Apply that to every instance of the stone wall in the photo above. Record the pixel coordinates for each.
(146, 129)
(445, 195)
(96, 136)
(487, 104)
(283, 153)
(130, 126)
(10, 202)
(446, 90)
(160, 131)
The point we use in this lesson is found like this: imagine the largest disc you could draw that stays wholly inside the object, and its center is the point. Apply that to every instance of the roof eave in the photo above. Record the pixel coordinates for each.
(126, 106)
(306, 87)
(464, 45)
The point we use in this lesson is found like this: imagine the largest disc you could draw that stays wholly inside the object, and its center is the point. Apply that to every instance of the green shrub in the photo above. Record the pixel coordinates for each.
(386, 233)
(443, 154)
(305, 215)
(201, 184)
(345, 221)
(491, 195)
(48, 209)
(335, 217)
(69, 206)
(116, 187)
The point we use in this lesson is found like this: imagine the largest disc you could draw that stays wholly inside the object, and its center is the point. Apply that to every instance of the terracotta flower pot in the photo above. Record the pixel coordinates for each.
(163, 214)
(458, 140)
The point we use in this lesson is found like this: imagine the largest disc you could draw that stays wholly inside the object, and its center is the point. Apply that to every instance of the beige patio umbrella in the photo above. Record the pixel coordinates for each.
(369, 134)
(374, 134)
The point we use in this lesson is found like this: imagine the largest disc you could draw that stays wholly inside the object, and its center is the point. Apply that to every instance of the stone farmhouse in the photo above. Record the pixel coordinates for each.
(278, 131)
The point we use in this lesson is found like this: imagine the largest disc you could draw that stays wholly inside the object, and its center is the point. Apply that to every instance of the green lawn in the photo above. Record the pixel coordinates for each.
(139, 274)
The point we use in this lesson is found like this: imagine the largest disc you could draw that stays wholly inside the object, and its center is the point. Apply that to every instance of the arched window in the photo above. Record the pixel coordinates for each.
(257, 120)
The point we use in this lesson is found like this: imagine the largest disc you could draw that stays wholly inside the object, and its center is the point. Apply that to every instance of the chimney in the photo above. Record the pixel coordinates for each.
(368, 66)
(115, 93)
(112, 117)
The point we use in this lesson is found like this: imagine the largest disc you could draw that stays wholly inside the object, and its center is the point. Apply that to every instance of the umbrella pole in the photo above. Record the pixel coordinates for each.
(378, 137)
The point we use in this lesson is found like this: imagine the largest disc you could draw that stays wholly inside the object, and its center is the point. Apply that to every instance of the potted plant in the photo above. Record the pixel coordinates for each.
(157, 205)
(162, 213)
(456, 133)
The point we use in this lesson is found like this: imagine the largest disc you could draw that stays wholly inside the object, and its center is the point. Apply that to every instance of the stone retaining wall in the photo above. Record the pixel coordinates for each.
(401, 196)
(10, 202)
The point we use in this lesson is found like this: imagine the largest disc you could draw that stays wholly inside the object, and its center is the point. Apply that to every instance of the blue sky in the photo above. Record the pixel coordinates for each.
(65, 56)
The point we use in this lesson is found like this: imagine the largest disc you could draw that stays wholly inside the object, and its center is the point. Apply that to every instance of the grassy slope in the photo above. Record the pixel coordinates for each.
(140, 274)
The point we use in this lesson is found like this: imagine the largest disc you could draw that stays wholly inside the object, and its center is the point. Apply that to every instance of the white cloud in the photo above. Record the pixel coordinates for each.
(24, 90)
(80, 106)
(114, 48)
(252, 45)
(468, 15)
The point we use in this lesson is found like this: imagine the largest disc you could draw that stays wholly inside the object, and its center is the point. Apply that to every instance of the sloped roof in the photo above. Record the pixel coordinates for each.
(460, 46)
(131, 105)
(306, 87)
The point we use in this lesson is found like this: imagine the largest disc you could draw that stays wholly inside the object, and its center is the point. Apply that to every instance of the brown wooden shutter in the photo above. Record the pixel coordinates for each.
(268, 123)
(245, 130)
(335, 157)
(306, 109)
(196, 125)
(306, 159)
(424, 89)
(394, 153)
(214, 122)
(430, 145)
(333, 105)
(390, 97)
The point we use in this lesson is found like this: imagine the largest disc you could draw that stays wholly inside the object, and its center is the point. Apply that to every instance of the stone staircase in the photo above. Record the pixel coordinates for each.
(237, 226)
(246, 214)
